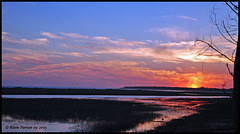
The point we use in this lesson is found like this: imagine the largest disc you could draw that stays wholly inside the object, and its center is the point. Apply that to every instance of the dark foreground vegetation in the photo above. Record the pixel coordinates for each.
(119, 115)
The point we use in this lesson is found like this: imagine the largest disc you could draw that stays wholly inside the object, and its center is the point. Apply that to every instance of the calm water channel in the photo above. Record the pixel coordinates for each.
(174, 107)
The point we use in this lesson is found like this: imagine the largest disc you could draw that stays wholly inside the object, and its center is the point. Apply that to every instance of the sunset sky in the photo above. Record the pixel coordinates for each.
(111, 44)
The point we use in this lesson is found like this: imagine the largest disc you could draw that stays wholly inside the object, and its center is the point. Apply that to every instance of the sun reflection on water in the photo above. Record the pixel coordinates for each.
(175, 109)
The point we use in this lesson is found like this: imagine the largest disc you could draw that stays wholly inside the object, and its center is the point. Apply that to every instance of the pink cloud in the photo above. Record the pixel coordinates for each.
(50, 35)
(103, 40)
(28, 57)
(39, 41)
(173, 34)
(74, 35)
(100, 38)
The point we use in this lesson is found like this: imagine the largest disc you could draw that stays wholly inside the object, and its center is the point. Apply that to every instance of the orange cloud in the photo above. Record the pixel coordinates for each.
(116, 73)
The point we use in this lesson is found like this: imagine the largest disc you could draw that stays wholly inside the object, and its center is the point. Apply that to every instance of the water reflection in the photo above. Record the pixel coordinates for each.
(173, 108)
(10, 124)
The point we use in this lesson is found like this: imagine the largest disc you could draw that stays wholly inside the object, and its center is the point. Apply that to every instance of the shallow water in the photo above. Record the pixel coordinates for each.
(10, 124)
(175, 108)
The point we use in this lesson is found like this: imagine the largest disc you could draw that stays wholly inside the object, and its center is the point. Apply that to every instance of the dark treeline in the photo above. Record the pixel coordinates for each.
(140, 91)
(173, 88)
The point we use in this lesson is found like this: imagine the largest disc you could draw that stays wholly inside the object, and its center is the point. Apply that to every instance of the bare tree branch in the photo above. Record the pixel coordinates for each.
(236, 7)
(232, 8)
(225, 29)
(211, 46)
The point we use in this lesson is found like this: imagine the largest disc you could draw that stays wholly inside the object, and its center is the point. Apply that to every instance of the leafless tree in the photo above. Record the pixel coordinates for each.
(228, 30)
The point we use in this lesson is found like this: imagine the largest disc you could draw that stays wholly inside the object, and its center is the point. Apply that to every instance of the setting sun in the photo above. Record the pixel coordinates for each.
(194, 86)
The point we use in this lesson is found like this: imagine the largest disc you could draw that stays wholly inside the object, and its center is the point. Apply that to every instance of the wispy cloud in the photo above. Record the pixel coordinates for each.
(38, 41)
(4, 33)
(103, 40)
(50, 35)
(181, 17)
(173, 34)
(75, 35)
(28, 57)
(144, 52)
(186, 17)
(74, 54)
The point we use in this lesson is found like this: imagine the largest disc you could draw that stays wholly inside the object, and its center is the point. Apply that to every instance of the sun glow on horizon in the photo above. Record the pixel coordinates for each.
(194, 86)
(194, 81)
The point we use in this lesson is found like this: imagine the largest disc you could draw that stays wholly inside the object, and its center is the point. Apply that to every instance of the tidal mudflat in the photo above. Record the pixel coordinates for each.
(74, 114)
(96, 114)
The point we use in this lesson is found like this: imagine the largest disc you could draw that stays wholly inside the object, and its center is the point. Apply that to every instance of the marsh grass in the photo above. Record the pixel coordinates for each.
(117, 114)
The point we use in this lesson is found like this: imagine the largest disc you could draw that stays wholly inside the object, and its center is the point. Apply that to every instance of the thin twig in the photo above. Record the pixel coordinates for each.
(229, 70)
(228, 33)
